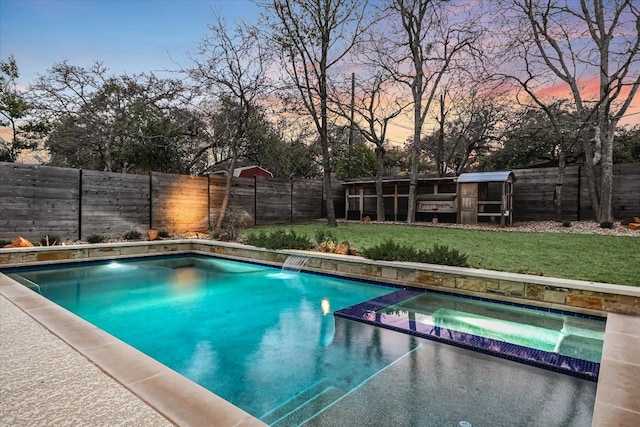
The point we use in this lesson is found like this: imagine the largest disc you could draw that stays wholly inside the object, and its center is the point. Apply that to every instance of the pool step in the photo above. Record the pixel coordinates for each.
(304, 405)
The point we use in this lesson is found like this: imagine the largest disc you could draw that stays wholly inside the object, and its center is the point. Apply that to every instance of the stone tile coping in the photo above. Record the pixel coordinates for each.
(475, 272)
(618, 394)
(608, 288)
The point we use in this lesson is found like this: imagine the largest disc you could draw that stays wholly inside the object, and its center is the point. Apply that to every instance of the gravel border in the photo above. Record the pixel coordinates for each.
(577, 227)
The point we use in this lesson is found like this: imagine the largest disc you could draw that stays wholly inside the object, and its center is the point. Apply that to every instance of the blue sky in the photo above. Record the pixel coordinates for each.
(126, 35)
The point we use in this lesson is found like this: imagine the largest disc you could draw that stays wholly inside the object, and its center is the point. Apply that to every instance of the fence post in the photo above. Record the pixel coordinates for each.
(79, 204)
(579, 195)
(150, 200)
(255, 200)
(209, 201)
(322, 202)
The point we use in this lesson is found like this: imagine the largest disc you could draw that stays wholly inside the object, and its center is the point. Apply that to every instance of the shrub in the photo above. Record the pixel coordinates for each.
(606, 224)
(390, 251)
(163, 234)
(132, 235)
(443, 255)
(4, 243)
(439, 254)
(279, 239)
(566, 224)
(49, 240)
(96, 238)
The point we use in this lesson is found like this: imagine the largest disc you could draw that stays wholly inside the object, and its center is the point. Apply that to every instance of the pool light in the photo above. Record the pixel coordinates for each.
(326, 306)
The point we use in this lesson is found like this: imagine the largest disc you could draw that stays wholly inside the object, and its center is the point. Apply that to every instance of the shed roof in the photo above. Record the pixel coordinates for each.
(429, 180)
(238, 171)
(487, 176)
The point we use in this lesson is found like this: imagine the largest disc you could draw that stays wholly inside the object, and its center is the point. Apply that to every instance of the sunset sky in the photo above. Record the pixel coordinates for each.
(129, 36)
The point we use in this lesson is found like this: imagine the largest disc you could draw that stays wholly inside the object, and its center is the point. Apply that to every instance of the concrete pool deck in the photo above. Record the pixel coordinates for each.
(56, 368)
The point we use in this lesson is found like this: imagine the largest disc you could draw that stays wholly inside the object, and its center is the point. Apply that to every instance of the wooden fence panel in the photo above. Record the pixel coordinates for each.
(243, 195)
(533, 194)
(273, 200)
(338, 199)
(307, 199)
(114, 203)
(38, 200)
(216, 192)
(180, 202)
(626, 190)
(535, 190)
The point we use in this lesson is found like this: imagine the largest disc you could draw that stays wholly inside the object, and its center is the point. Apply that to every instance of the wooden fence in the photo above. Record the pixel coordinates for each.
(74, 203)
(534, 193)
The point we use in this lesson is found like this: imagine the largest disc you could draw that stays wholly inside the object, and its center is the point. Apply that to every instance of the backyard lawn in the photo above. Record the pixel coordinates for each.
(598, 258)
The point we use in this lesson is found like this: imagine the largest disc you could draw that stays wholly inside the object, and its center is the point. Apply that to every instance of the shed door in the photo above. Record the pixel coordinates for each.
(468, 212)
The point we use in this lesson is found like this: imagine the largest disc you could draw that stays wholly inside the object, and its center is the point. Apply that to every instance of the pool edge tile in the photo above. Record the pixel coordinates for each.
(606, 415)
(186, 403)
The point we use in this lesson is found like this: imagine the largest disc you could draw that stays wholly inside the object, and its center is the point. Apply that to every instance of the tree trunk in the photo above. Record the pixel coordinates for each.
(590, 170)
(227, 189)
(379, 190)
(331, 213)
(557, 195)
(415, 147)
(606, 179)
(324, 140)
(605, 124)
(440, 151)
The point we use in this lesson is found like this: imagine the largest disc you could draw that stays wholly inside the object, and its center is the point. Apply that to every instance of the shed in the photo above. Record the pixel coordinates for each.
(485, 195)
(251, 171)
(435, 198)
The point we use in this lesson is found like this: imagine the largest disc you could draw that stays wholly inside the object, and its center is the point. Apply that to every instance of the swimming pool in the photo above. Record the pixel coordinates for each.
(239, 353)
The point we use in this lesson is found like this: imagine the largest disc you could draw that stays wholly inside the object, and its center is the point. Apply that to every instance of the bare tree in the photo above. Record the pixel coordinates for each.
(232, 68)
(374, 106)
(591, 49)
(314, 36)
(424, 39)
(470, 118)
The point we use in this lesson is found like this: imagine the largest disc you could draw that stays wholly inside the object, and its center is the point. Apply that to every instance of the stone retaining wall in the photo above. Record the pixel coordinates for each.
(563, 294)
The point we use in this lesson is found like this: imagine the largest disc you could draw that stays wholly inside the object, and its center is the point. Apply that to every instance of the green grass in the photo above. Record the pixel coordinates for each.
(610, 259)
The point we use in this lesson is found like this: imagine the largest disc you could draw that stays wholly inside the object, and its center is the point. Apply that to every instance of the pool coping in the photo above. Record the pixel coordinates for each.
(183, 402)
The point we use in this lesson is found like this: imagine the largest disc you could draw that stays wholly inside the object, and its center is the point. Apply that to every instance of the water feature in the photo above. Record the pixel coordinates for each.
(294, 263)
